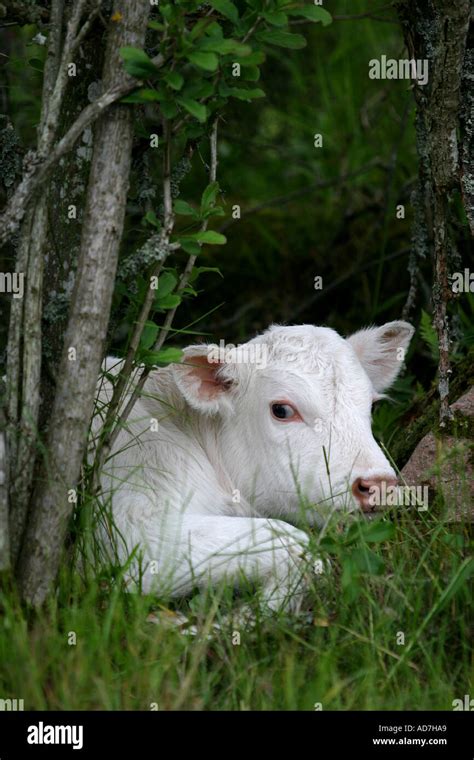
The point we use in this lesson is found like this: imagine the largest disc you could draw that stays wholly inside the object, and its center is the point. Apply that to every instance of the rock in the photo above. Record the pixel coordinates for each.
(446, 464)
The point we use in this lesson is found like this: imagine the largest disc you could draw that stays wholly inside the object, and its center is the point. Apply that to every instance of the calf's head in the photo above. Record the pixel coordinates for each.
(291, 410)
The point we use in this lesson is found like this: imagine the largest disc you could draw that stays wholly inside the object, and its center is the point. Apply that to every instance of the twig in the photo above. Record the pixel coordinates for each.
(71, 43)
(171, 314)
(251, 30)
(123, 377)
(38, 169)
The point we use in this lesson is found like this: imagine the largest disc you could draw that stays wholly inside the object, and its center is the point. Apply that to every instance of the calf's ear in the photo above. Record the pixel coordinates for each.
(381, 351)
(203, 380)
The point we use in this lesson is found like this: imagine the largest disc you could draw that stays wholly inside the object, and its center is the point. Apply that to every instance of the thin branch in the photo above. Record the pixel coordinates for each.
(37, 170)
(71, 43)
(171, 314)
(251, 30)
(124, 375)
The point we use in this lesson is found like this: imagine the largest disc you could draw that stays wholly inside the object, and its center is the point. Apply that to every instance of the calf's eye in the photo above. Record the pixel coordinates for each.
(283, 411)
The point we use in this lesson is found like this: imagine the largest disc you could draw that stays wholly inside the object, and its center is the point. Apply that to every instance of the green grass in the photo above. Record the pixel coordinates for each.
(408, 573)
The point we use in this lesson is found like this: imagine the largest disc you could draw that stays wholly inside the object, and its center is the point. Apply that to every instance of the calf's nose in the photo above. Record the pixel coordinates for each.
(370, 492)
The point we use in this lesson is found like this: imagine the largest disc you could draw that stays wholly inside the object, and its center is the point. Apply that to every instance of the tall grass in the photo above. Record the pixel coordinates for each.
(386, 628)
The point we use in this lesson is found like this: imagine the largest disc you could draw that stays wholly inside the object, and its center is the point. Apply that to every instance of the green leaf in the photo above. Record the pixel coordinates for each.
(225, 46)
(275, 18)
(209, 196)
(184, 209)
(205, 60)
(378, 531)
(152, 219)
(149, 334)
(366, 561)
(254, 59)
(209, 236)
(162, 358)
(166, 284)
(194, 108)
(203, 88)
(168, 302)
(282, 39)
(214, 211)
(168, 109)
(198, 28)
(168, 356)
(250, 73)
(312, 13)
(227, 9)
(36, 64)
(190, 246)
(137, 63)
(174, 79)
(143, 95)
(196, 271)
(193, 130)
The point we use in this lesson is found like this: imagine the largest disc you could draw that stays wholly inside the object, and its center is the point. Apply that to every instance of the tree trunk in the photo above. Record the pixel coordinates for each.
(25, 340)
(84, 340)
(437, 30)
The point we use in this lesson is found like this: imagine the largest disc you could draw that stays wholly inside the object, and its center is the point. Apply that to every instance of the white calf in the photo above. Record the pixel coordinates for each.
(222, 449)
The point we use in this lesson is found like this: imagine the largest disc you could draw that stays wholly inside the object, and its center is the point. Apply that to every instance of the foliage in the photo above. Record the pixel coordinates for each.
(303, 212)
(408, 574)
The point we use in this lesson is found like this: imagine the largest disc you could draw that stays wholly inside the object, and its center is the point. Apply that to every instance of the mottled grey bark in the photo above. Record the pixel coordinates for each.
(38, 170)
(66, 207)
(87, 326)
(437, 30)
(24, 358)
(467, 129)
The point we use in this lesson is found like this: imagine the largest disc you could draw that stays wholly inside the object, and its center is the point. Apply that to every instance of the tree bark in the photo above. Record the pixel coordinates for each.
(437, 30)
(25, 343)
(87, 326)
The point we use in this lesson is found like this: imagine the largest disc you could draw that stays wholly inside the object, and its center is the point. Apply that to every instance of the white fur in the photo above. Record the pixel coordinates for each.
(208, 496)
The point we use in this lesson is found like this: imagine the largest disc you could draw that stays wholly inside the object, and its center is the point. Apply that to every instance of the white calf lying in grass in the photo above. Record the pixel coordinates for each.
(241, 445)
